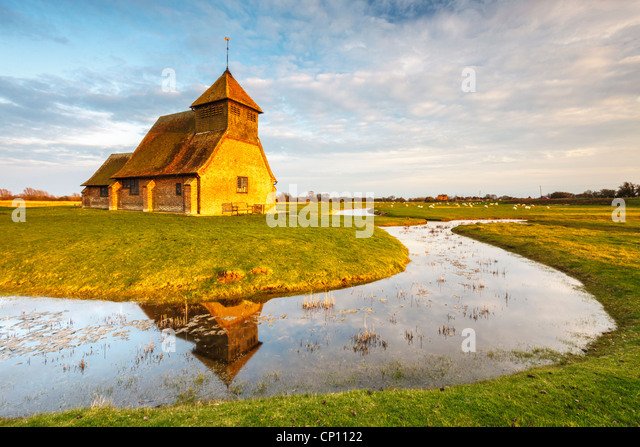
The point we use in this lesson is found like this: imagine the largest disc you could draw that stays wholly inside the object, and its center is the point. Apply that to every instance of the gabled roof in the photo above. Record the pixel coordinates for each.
(102, 177)
(171, 147)
(226, 87)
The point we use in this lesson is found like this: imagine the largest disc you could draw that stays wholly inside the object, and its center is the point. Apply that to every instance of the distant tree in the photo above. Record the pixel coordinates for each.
(628, 189)
(587, 194)
(561, 195)
(36, 194)
(73, 197)
(607, 193)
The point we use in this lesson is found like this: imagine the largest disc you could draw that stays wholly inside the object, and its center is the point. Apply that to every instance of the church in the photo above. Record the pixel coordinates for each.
(205, 161)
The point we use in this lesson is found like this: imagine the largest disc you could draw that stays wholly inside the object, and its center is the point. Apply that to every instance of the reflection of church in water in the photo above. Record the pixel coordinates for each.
(226, 337)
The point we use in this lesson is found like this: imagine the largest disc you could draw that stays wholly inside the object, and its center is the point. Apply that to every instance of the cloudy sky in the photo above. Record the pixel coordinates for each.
(358, 96)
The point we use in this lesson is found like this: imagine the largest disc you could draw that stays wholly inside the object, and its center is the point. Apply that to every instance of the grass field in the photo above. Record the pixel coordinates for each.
(483, 210)
(601, 388)
(84, 253)
(39, 203)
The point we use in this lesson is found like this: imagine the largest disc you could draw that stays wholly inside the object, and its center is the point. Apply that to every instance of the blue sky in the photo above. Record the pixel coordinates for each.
(358, 96)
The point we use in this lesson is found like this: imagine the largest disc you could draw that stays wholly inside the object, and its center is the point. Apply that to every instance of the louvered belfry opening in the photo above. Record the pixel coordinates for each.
(211, 117)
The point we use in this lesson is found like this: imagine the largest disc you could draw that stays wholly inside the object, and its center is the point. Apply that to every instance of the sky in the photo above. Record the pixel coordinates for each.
(358, 96)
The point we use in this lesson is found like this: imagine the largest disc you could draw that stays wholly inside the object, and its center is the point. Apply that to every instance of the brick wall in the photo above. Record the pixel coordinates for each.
(131, 202)
(164, 195)
(91, 198)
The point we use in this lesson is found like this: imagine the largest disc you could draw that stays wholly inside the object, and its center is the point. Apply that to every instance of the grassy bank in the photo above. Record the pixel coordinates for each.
(80, 253)
(601, 388)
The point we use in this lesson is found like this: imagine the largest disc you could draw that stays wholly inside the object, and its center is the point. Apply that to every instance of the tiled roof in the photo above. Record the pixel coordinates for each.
(226, 87)
(102, 177)
(171, 147)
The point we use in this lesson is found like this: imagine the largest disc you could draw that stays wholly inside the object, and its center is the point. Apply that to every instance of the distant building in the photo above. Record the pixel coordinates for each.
(208, 160)
(442, 198)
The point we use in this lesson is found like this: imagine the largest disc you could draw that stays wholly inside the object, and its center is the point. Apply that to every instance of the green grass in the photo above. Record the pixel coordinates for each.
(601, 388)
(453, 211)
(34, 203)
(85, 253)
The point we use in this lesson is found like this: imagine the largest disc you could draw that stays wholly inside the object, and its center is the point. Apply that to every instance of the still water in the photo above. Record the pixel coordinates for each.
(410, 330)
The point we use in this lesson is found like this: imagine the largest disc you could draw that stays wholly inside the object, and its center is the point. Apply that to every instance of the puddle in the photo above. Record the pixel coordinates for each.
(405, 331)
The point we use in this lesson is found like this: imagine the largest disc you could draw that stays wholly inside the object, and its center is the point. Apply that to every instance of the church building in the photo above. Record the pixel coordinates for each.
(208, 160)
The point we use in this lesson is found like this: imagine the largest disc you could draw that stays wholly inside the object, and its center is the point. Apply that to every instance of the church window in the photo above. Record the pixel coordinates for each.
(243, 185)
(132, 185)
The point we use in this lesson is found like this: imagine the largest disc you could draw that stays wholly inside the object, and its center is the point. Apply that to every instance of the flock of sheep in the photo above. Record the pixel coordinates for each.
(470, 205)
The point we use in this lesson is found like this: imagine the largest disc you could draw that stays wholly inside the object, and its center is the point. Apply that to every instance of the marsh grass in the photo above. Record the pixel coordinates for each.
(314, 303)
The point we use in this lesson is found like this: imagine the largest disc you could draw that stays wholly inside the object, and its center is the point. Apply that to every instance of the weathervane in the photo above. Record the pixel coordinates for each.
(227, 39)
